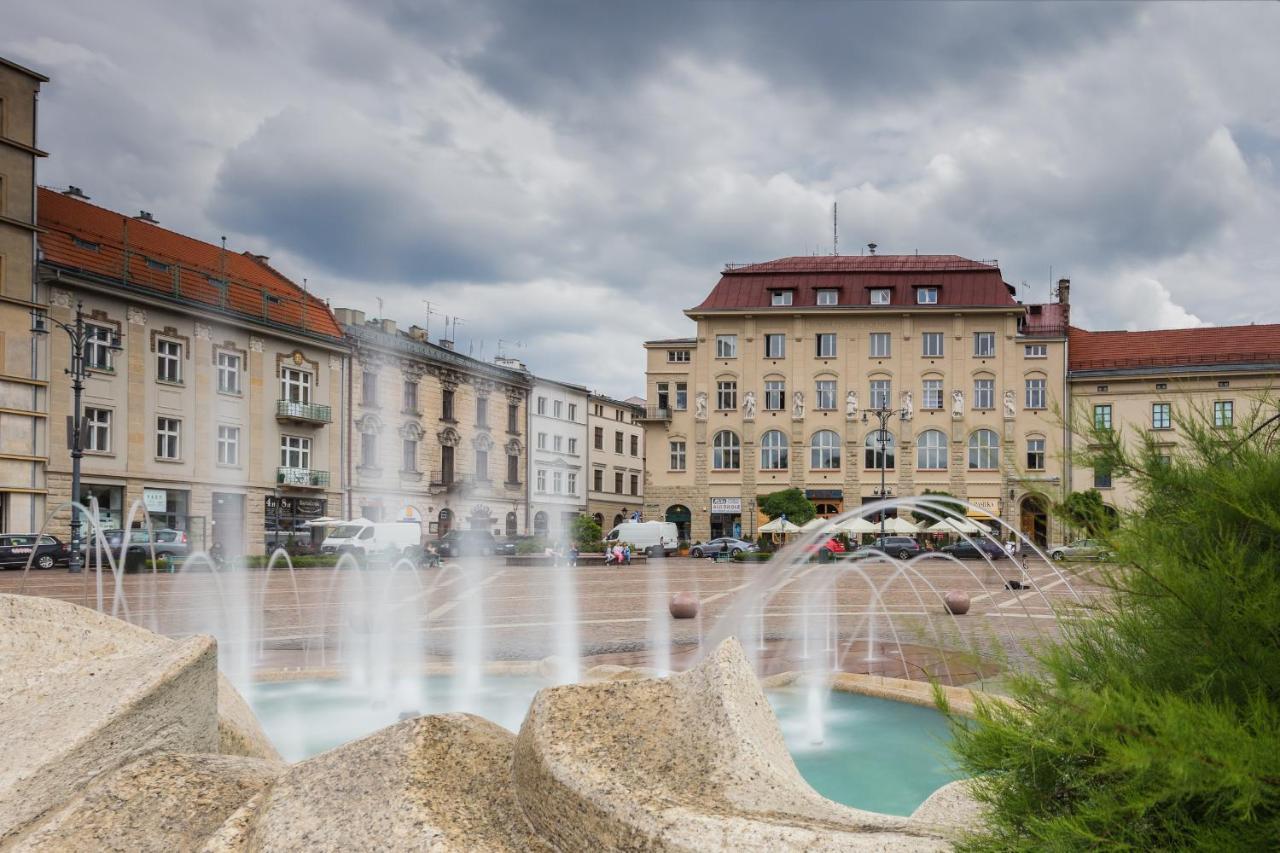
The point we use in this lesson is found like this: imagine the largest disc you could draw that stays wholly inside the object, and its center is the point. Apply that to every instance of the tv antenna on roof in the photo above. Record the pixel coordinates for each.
(426, 324)
(502, 345)
(835, 228)
(379, 298)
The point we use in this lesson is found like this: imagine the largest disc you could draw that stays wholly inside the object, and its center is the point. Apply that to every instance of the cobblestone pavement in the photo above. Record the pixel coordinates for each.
(304, 619)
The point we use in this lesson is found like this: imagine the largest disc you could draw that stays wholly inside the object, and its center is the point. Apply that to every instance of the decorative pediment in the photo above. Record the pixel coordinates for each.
(483, 442)
(412, 370)
(369, 423)
(513, 447)
(410, 431)
(515, 396)
(449, 437)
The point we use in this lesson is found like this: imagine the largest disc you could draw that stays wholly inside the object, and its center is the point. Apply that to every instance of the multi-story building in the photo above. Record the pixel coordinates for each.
(217, 416)
(773, 392)
(557, 456)
(1152, 382)
(615, 454)
(24, 369)
(438, 437)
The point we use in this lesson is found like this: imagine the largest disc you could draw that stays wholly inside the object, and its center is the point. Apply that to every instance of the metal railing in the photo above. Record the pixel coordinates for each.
(303, 412)
(655, 413)
(305, 477)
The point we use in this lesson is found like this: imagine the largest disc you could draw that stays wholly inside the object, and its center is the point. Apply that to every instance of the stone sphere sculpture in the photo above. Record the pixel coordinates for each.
(957, 602)
(684, 605)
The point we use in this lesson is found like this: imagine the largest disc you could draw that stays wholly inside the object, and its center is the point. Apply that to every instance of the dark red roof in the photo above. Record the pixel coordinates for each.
(960, 281)
(1173, 347)
(1049, 318)
(173, 265)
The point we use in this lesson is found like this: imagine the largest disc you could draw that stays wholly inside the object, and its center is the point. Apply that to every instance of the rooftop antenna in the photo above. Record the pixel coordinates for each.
(502, 345)
(835, 228)
(427, 323)
(871, 247)
(379, 298)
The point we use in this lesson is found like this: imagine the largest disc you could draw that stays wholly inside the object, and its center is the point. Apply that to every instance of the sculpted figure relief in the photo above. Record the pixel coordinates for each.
(957, 403)
(700, 406)
(908, 406)
(1010, 404)
(749, 405)
(851, 405)
(797, 408)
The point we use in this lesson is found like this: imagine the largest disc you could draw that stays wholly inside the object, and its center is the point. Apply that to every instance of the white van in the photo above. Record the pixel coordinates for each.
(362, 537)
(655, 538)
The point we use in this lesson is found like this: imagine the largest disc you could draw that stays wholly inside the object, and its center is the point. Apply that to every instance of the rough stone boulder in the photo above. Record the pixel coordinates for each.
(692, 762)
(39, 633)
(439, 783)
(163, 803)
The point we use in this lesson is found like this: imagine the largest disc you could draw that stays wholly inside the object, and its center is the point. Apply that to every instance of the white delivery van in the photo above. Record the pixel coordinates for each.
(655, 538)
(362, 537)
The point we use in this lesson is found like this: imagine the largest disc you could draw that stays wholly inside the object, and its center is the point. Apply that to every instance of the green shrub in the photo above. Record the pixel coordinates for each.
(1155, 724)
(533, 545)
(587, 534)
(752, 556)
(792, 503)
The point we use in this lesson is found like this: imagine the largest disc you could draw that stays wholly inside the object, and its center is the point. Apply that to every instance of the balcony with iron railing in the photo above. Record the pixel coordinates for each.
(302, 478)
(306, 413)
(448, 481)
(656, 413)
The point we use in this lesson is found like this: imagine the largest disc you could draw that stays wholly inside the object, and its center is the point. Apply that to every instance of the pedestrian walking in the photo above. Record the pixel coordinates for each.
(626, 553)
(573, 555)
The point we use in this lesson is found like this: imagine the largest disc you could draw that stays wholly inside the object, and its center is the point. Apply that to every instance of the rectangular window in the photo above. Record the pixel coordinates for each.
(168, 436)
(635, 484)
(664, 395)
(542, 441)
(932, 342)
(169, 361)
(557, 408)
(1101, 478)
(228, 445)
(573, 446)
(573, 411)
(775, 346)
(879, 344)
(1161, 415)
(828, 297)
(1037, 398)
(369, 388)
(557, 443)
(824, 395)
(228, 372)
(542, 405)
(726, 346)
(446, 404)
(482, 411)
(826, 345)
(1036, 350)
(295, 385)
(598, 479)
(1162, 386)
(617, 482)
(926, 296)
(599, 438)
(97, 351)
(410, 404)
(781, 297)
(635, 445)
(482, 465)
(1102, 416)
(369, 450)
(571, 483)
(984, 344)
(678, 356)
(446, 464)
(513, 418)
(409, 455)
(682, 396)
(513, 469)
(677, 455)
(880, 295)
(1035, 454)
(542, 480)
(775, 393)
(295, 452)
(932, 397)
(726, 395)
(97, 430)
(984, 393)
(617, 443)
(880, 393)
(1223, 413)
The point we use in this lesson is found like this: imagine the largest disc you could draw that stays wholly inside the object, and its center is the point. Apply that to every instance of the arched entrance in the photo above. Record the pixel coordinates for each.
(445, 521)
(511, 524)
(599, 519)
(680, 516)
(617, 519)
(1035, 520)
(827, 510)
(540, 523)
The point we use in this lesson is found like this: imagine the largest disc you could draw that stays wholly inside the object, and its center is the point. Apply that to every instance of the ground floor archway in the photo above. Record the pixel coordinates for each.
(681, 517)
(444, 521)
(539, 523)
(1035, 520)
(511, 524)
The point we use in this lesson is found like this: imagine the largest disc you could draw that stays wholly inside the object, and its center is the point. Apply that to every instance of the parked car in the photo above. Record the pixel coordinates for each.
(722, 545)
(976, 549)
(467, 543)
(167, 543)
(16, 549)
(360, 538)
(655, 538)
(901, 547)
(1081, 549)
(831, 546)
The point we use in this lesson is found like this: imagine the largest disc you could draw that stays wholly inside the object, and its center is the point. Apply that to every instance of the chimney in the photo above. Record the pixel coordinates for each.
(357, 317)
(1064, 291)
(343, 316)
(447, 344)
(75, 192)
(417, 333)
(388, 326)
(145, 216)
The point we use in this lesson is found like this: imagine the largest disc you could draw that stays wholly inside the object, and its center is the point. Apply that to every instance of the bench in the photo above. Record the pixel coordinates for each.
(583, 560)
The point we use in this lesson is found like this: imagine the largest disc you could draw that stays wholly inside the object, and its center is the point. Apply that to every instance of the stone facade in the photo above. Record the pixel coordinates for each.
(557, 456)
(616, 455)
(24, 370)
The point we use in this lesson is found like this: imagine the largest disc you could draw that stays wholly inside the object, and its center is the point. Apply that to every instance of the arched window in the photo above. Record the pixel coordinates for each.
(984, 450)
(931, 451)
(773, 451)
(824, 450)
(880, 449)
(725, 451)
(444, 521)
(540, 523)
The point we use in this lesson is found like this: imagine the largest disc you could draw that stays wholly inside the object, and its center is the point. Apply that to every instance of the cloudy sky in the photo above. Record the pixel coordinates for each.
(571, 175)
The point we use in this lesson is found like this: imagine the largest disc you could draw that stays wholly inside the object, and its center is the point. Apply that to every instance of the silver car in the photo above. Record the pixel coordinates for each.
(725, 544)
(1081, 549)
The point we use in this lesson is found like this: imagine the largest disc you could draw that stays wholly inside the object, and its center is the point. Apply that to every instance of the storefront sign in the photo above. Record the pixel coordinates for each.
(824, 494)
(295, 507)
(155, 500)
(726, 506)
(987, 505)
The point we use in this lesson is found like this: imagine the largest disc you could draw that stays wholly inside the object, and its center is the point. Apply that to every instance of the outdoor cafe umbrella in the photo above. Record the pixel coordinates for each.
(779, 525)
(857, 526)
(900, 526)
(814, 523)
(956, 525)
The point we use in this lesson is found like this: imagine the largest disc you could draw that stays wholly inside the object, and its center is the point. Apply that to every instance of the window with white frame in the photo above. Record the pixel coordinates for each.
(931, 451)
(228, 364)
(725, 451)
(826, 345)
(97, 350)
(677, 455)
(931, 344)
(984, 344)
(557, 482)
(1161, 415)
(228, 445)
(482, 465)
(781, 297)
(775, 395)
(824, 451)
(678, 356)
(879, 343)
(557, 409)
(409, 455)
(1102, 416)
(295, 451)
(542, 405)
(1037, 397)
(541, 480)
(97, 430)
(1035, 453)
(295, 385)
(369, 388)
(1035, 350)
(726, 346)
(880, 389)
(369, 450)
(926, 296)
(573, 412)
(984, 451)
(542, 441)
(824, 395)
(984, 393)
(773, 451)
(932, 396)
(775, 346)
(573, 446)
(557, 443)
(482, 411)
(168, 438)
(1223, 413)
(881, 295)
(828, 296)
(168, 361)
(571, 483)
(879, 450)
(726, 395)
(682, 396)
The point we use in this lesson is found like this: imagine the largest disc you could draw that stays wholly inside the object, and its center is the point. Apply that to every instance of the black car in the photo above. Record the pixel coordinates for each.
(468, 543)
(976, 549)
(167, 543)
(901, 547)
(16, 548)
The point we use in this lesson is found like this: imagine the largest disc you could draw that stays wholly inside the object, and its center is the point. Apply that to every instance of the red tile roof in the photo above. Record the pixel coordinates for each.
(1208, 345)
(960, 281)
(174, 265)
(1049, 318)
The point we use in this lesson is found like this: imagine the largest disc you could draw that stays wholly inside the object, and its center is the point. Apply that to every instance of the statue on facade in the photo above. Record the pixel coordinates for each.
(700, 406)
(1010, 404)
(908, 406)
(797, 406)
(957, 403)
(749, 405)
(851, 405)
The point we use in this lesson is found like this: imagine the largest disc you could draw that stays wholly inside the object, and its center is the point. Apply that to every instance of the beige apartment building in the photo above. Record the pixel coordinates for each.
(218, 415)
(1152, 382)
(438, 437)
(616, 457)
(24, 369)
(774, 390)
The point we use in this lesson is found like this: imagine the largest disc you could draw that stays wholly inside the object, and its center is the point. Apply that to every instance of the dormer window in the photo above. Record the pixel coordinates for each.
(828, 297)
(880, 296)
(781, 297)
(926, 296)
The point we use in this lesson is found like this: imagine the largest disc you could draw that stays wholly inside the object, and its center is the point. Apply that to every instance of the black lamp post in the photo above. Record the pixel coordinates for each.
(80, 336)
(883, 416)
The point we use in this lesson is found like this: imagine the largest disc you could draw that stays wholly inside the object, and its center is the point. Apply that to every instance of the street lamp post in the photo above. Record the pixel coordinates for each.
(80, 337)
(883, 416)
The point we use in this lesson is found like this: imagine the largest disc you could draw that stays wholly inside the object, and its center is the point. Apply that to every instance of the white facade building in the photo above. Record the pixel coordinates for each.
(557, 456)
